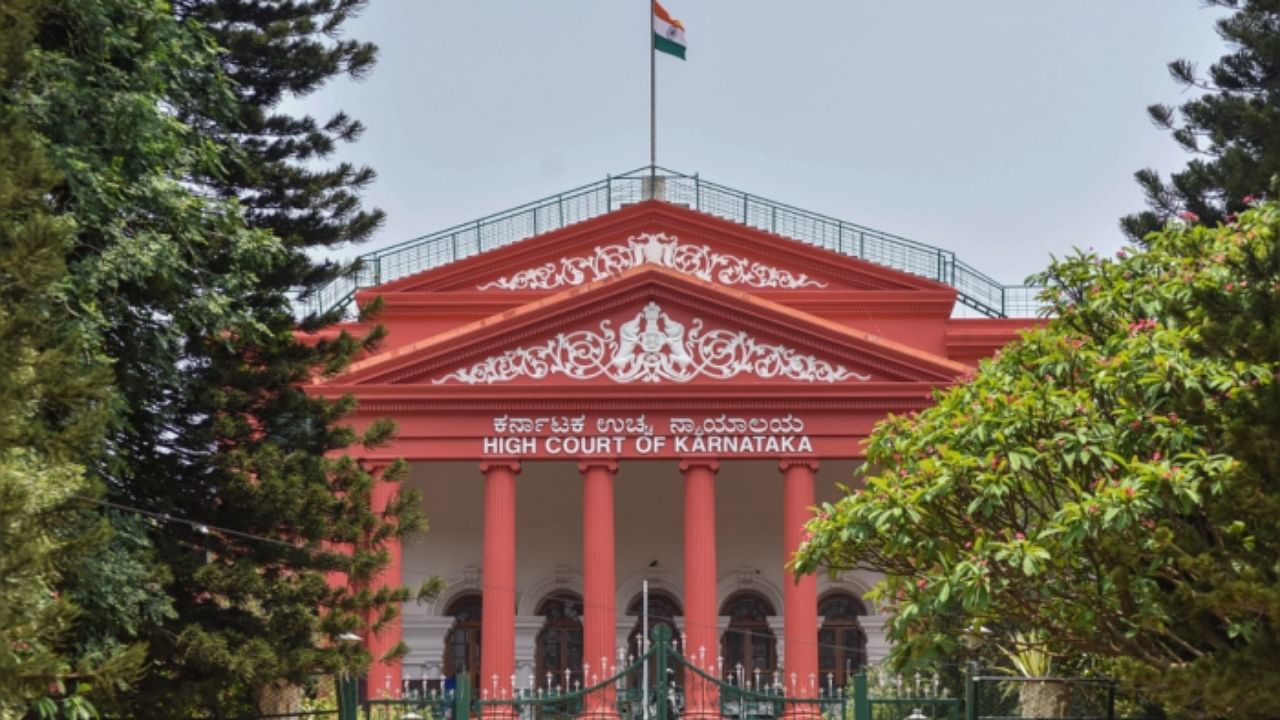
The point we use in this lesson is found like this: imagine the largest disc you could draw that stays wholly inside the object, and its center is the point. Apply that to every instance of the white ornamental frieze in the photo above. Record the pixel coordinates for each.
(607, 261)
(652, 347)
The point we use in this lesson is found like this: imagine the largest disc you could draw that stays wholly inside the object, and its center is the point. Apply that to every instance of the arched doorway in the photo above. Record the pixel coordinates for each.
(842, 643)
(559, 644)
(750, 651)
(462, 644)
(663, 610)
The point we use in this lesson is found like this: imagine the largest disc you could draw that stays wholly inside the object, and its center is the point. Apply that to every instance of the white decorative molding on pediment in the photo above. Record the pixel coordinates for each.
(699, 261)
(652, 347)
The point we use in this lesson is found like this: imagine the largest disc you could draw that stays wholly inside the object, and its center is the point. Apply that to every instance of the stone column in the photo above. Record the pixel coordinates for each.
(384, 677)
(799, 597)
(702, 701)
(599, 585)
(877, 644)
(425, 636)
(527, 629)
(498, 585)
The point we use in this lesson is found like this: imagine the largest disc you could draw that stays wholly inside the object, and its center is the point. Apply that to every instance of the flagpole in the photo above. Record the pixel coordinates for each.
(653, 97)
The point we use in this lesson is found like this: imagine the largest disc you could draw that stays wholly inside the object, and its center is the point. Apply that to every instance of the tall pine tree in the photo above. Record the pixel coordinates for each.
(273, 52)
(194, 205)
(1233, 127)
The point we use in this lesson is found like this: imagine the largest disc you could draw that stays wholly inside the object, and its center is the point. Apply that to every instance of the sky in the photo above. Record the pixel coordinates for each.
(1004, 130)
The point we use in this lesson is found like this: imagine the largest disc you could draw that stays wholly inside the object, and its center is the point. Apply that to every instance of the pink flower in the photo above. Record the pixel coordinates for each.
(1189, 216)
(1248, 199)
(1155, 456)
(921, 584)
(1020, 536)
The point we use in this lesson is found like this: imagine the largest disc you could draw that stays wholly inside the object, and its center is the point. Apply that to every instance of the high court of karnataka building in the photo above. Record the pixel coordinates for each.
(648, 378)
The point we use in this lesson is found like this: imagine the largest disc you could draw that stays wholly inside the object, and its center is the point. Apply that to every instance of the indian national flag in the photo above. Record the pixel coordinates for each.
(668, 32)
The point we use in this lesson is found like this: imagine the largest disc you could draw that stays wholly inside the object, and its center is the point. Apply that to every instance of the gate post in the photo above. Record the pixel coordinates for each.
(661, 634)
(347, 697)
(861, 699)
(462, 696)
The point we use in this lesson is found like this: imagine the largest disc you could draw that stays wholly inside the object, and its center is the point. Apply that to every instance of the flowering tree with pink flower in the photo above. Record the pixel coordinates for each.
(1110, 482)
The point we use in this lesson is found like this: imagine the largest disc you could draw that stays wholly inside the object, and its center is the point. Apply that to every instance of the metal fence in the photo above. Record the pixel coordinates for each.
(1004, 697)
(680, 686)
(975, 290)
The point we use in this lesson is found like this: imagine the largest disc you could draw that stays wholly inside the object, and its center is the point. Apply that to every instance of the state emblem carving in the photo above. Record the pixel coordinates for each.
(652, 347)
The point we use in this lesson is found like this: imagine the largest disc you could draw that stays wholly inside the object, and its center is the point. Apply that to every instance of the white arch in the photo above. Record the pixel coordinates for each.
(857, 584)
(563, 578)
(748, 578)
(660, 582)
(455, 586)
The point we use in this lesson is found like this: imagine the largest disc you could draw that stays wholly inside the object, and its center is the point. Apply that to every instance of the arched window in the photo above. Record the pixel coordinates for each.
(560, 640)
(842, 644)
(462, 644)
(749, 641)
(663, 610)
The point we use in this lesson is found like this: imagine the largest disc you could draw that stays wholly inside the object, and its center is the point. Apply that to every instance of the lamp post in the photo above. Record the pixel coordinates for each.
(348, 692)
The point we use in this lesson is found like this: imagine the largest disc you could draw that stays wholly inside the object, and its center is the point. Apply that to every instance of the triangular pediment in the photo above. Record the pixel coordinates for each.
(651, 328)
(656, 233)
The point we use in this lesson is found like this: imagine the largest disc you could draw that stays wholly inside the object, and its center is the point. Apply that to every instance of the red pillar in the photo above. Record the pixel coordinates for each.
(600, 589)
(799, 597)
(498, 620)
(384, 677)
(700, 612)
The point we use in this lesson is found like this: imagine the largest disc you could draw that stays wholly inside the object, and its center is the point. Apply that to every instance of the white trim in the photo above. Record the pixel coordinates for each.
(658, 582)
(467, 580)
(562, 578)
(652, 347)
(855, 583)
(699, 261)
(748, 578)
(425, 636)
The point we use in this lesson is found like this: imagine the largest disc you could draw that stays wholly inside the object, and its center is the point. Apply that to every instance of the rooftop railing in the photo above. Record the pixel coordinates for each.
(975, 291)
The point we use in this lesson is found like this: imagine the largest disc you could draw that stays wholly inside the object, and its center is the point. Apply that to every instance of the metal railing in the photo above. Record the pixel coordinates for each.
(975, 290)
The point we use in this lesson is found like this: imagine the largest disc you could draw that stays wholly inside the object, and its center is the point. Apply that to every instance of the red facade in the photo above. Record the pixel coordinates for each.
(652, 333)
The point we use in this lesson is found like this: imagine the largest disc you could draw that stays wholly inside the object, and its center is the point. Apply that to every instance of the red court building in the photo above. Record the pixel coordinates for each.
(649, 378)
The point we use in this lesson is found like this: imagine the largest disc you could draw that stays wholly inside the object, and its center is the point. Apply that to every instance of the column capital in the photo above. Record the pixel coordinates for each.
(511, 465)
(711, 464)
(787, 463)
(604, 463)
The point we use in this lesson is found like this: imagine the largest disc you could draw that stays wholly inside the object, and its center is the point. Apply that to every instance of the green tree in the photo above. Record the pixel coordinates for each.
(184, 284)
(1111, 481)
(273, 52)
(53, 416)
(1232, 125)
